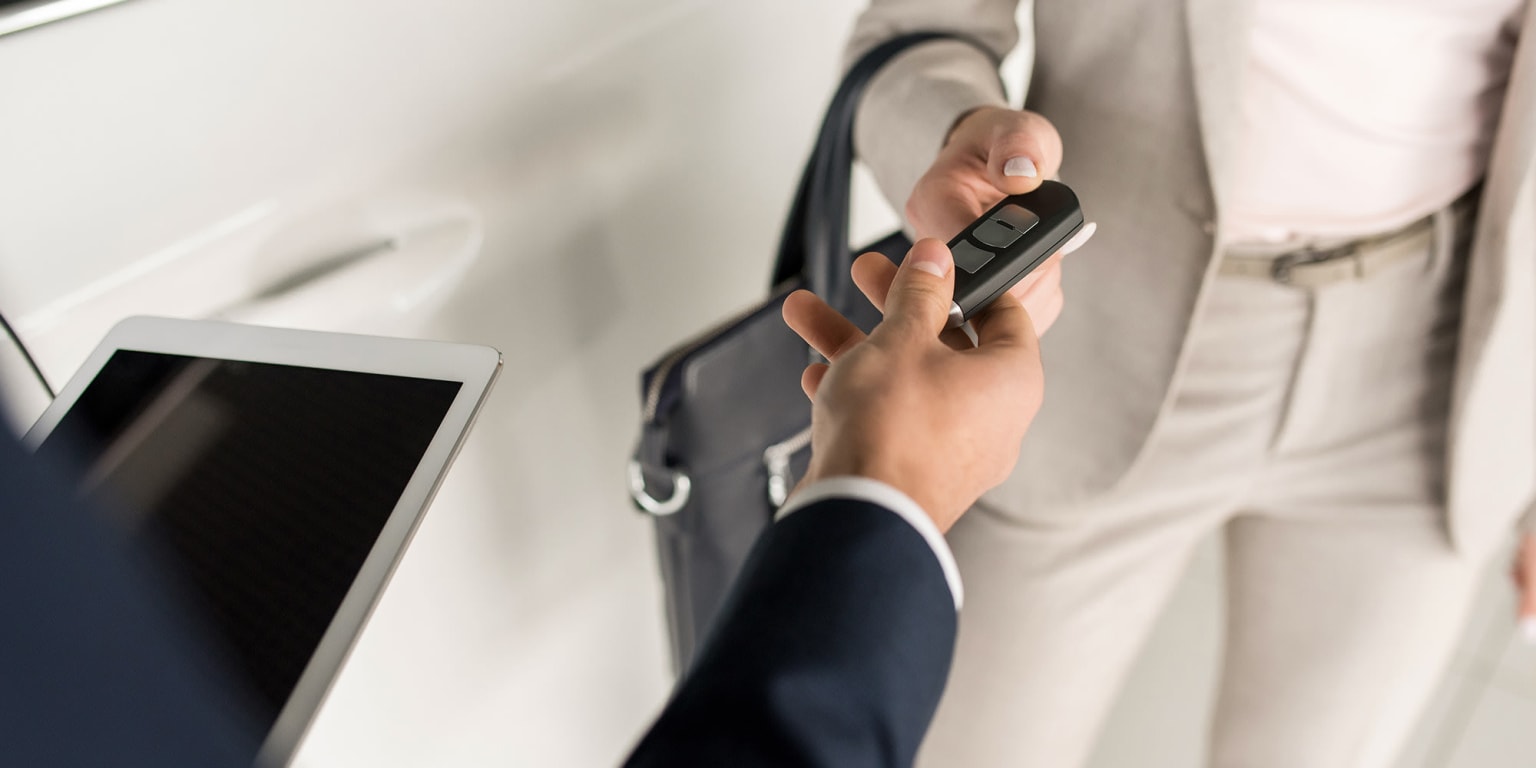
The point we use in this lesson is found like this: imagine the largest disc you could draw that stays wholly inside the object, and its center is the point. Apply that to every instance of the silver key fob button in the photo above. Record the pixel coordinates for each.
(970, 258)
(1016, 217)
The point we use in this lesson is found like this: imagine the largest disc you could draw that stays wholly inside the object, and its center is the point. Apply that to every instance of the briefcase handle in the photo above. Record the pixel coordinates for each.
(814, 246)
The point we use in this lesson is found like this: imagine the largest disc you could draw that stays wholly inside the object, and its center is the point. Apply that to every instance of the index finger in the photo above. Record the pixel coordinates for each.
(821, 326)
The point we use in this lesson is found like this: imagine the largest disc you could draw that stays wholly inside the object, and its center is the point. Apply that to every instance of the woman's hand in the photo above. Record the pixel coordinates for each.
(992, 153)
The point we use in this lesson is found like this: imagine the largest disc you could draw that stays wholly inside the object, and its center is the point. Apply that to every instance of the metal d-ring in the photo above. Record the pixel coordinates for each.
(681, 486)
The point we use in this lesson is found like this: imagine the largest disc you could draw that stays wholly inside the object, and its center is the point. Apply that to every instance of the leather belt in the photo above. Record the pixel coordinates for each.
(1357, 259)
(1313, 266)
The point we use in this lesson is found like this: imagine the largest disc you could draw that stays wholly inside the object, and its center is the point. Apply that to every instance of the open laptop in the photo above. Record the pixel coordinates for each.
(279, 474)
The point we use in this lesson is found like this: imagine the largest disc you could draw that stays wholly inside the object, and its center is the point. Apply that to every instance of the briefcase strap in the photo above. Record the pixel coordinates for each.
(815, 241)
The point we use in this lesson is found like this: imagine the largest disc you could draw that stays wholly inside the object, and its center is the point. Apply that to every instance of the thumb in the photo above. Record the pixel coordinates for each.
(923, 290)
(1022, 153)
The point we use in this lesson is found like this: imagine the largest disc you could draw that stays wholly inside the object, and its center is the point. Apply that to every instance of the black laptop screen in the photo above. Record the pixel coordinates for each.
(262, 486)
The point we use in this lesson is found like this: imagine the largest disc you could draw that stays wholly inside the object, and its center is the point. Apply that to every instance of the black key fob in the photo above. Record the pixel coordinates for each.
(1008, 242)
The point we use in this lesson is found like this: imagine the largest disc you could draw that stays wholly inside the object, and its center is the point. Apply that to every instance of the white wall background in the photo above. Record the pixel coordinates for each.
(625, 165)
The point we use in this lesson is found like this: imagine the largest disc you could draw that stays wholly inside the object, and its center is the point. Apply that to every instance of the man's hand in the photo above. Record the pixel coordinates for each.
(941, 425)
(990, 154)
(1525, 581)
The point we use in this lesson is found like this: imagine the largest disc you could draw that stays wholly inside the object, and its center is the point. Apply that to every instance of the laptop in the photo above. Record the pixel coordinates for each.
(278, 473)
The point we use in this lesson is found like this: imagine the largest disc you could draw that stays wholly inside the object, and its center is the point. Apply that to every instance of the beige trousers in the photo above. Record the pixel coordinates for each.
(1309, 430)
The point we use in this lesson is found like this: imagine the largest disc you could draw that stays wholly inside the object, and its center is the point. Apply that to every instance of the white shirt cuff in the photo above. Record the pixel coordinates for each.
(878, 493)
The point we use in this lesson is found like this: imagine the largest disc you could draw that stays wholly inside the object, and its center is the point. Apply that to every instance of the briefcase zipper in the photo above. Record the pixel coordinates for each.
(776, 458)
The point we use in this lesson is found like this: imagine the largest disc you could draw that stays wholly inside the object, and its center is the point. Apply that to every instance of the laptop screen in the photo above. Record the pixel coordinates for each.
(262, 487)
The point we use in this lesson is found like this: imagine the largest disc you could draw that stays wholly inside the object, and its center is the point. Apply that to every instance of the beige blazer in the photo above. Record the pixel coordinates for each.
(1145, 94)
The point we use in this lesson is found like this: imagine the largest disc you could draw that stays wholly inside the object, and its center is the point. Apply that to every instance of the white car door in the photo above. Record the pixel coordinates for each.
(579, 184)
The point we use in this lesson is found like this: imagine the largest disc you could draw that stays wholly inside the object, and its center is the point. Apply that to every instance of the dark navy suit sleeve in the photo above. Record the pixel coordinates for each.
(97, 666)
(831, 650)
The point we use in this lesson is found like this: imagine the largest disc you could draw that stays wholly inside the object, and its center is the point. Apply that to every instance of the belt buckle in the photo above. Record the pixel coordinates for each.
(1286, 263)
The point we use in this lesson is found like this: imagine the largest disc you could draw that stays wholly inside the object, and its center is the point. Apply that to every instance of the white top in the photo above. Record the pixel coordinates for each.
(876, 492)
(1361, 116)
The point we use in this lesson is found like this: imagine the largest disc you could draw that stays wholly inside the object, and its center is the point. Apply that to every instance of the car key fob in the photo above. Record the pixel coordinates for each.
(997, 250)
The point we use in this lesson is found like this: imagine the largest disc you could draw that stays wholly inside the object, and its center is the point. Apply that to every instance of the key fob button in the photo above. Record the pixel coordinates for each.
(970, 258)
(995, 234)
(1016, 216)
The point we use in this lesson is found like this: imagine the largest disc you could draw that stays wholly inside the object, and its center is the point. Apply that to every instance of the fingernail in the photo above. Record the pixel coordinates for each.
(1528, 629)
(930, 260)
(1019, 166)
(1079, 239)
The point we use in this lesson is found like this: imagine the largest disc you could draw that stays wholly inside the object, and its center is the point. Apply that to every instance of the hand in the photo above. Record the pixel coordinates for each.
(941, 425)
(992, 153)
(1524, 573)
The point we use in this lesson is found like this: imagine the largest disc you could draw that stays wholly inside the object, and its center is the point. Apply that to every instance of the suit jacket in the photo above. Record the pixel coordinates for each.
(831, 650)
(1146, 96)
(98, 666)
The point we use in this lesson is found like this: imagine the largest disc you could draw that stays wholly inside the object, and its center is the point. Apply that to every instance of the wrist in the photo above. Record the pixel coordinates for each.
(954, 127)
(970, 118)
(966, 118)
(908, 483)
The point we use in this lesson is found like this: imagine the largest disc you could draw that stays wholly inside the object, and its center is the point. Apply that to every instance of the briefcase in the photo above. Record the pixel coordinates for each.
(725, 428)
